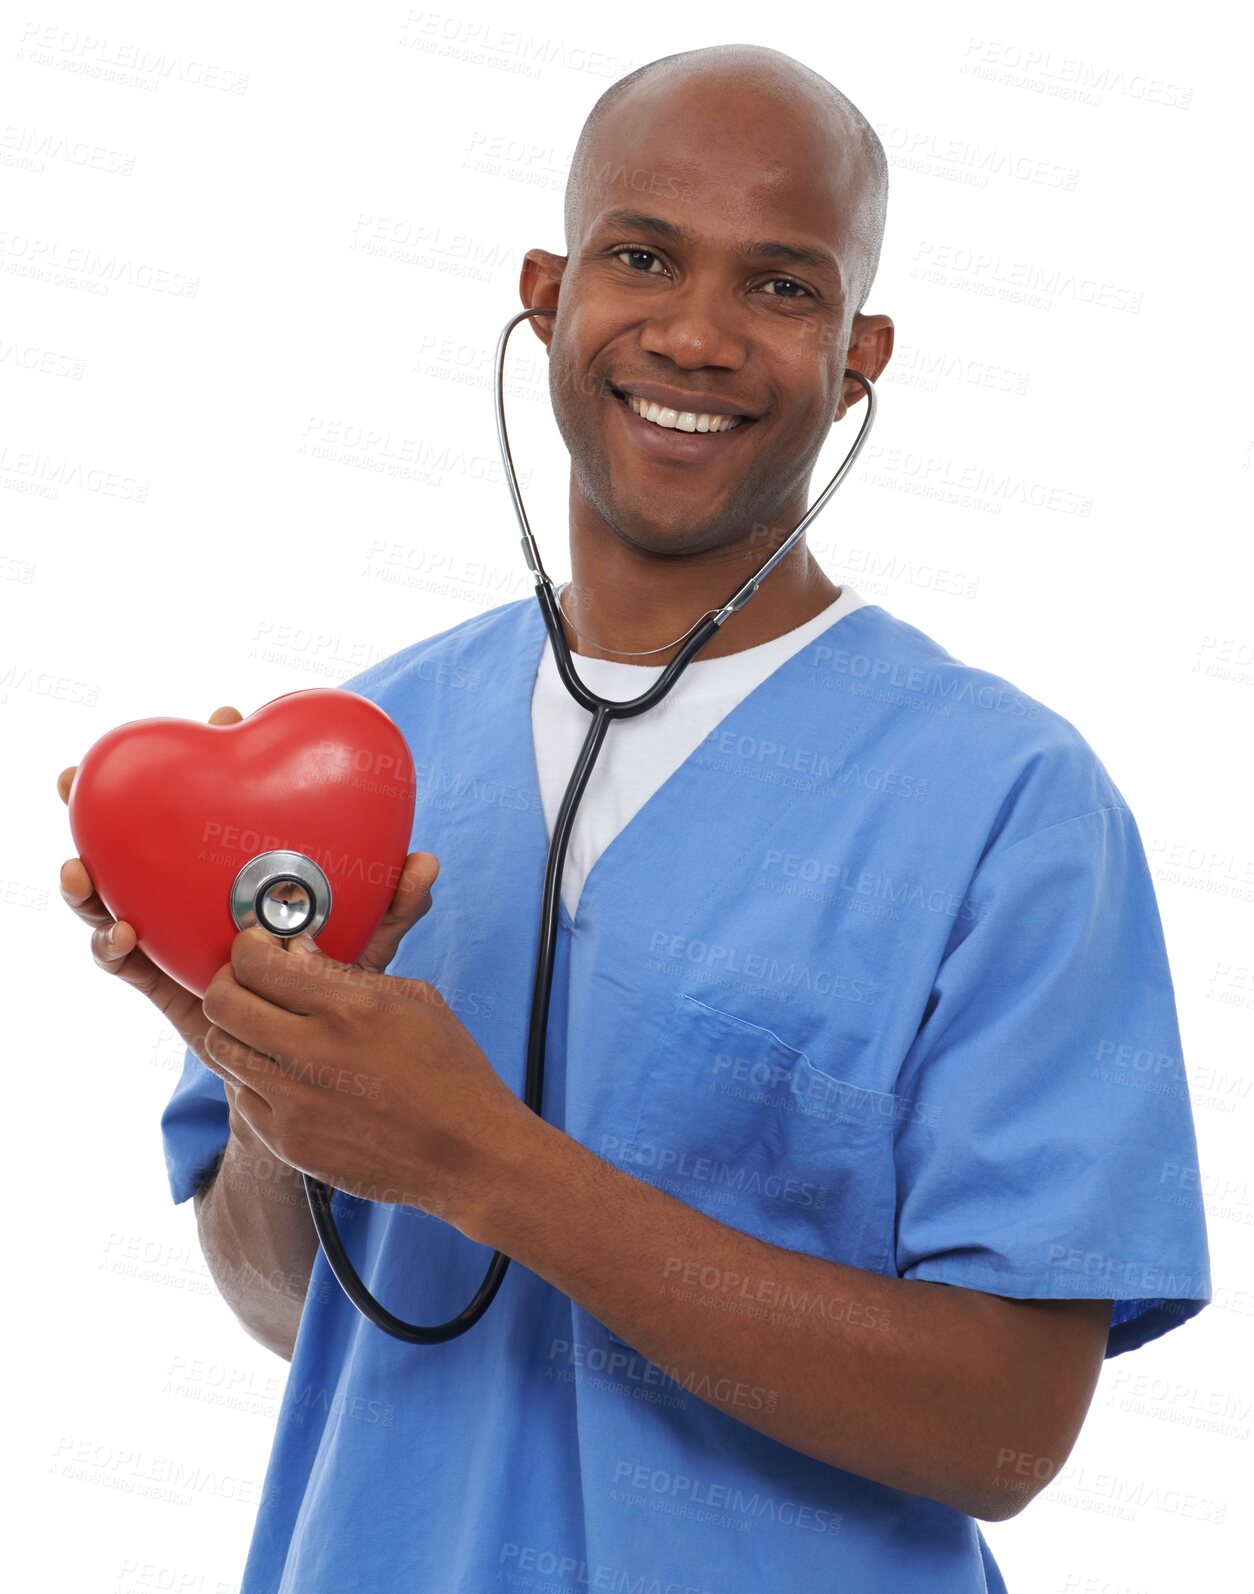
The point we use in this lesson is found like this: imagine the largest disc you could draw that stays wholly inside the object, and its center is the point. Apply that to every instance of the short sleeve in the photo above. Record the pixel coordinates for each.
(1046, 1148)
(195, 1127)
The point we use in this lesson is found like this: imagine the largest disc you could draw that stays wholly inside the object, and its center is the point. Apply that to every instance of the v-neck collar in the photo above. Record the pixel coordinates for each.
(517, 712)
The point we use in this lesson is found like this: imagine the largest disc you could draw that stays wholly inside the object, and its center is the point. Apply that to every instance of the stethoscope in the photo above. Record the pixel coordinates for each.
(602, 712)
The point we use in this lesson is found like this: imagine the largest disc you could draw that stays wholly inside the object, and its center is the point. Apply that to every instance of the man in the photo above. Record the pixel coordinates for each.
(841, 1193)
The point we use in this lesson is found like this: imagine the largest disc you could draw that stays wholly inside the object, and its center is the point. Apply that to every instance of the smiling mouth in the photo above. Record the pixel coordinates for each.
(691, 422)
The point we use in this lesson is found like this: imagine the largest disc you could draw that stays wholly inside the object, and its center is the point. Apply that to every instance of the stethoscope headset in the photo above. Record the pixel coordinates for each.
(602, 711)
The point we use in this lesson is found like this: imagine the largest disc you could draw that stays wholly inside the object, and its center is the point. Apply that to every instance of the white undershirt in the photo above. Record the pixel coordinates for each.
(638, 754)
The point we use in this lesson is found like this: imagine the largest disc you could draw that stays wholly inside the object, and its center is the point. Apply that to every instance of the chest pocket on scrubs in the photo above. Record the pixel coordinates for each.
(745, 1128)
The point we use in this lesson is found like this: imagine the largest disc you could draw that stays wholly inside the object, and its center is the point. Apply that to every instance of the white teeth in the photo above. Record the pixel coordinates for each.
(681, 420)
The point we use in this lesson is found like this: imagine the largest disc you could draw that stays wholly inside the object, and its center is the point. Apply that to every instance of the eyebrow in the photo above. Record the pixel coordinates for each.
(758, 248)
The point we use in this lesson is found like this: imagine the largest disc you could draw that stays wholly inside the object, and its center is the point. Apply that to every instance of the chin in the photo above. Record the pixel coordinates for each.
(677, 530)
(665, 540)
(635, 520)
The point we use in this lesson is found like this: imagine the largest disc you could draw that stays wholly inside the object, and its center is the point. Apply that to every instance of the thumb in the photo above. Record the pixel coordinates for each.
(410, 902)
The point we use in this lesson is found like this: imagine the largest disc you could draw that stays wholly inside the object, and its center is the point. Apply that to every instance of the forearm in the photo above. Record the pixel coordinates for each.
(901, 1381)
(258, 1238)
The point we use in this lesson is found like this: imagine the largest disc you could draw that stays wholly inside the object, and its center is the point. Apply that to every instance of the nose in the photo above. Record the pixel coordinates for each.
(694, 326)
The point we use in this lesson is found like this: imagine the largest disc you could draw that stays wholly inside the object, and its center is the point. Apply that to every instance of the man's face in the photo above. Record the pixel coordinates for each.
(737, 329)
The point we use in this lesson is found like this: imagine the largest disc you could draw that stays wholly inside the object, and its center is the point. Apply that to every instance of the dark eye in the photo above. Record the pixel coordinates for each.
(799, 286)
(647, 253)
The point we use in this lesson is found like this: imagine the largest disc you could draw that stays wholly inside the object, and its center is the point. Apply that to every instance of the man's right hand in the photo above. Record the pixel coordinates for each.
(115, 945)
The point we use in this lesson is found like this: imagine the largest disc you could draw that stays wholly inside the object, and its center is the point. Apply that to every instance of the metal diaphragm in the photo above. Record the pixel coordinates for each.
(284, 892)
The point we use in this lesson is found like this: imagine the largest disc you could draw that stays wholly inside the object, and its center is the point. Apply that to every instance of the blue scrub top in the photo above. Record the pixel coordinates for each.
(873, 975)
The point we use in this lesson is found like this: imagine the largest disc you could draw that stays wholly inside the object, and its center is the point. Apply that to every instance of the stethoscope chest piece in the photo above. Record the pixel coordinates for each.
(284, 892)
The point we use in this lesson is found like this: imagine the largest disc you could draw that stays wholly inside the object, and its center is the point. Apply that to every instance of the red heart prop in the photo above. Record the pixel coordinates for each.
(166, 812)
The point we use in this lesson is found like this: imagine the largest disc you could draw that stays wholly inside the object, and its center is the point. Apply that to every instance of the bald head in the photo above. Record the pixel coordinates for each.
(851, 150)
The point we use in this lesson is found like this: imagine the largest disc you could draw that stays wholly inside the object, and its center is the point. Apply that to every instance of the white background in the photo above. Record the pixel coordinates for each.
(250, 289)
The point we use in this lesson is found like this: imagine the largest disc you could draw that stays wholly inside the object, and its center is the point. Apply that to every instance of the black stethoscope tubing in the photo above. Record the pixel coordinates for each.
(602, 711)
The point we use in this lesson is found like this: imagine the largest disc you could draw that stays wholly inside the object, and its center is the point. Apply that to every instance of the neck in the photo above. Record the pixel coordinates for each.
(628, 601)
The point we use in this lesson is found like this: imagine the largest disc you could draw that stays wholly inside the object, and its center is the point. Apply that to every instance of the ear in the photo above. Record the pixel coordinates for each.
(870, 349)
(538, 284)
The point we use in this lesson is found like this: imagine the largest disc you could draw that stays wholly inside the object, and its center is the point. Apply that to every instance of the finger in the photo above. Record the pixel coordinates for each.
(64, 781)
(112, 944)
(244, 1105)
(241, 1063)
(301, 981)
(78, 891)
(254, 1112)
(225, 716)
(241, 1098)
(410, 902)
(249, 1015)
(248, 1070)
